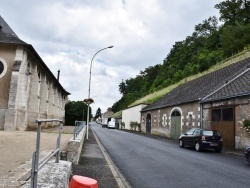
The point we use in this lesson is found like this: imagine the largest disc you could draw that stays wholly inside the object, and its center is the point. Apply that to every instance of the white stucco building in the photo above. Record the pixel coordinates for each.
(132, 114)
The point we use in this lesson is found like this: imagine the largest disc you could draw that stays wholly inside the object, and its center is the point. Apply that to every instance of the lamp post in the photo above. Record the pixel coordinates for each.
(89, 100)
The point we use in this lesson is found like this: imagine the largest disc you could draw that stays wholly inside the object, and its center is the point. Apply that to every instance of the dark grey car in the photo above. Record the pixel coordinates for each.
(202, 138)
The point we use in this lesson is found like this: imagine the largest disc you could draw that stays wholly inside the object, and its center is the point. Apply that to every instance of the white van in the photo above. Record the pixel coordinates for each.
(111, 123)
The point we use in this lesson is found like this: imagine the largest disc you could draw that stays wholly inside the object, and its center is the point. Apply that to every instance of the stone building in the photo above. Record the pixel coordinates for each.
(28, 89)
(219, 100)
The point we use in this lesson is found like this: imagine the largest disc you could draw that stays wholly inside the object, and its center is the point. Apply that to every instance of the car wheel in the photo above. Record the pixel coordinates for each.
(248, 157)
(181, 143)
(197, 146)
(218, 150)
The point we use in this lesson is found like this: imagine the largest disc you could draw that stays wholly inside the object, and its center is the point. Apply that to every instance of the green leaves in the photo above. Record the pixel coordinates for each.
(74, 111)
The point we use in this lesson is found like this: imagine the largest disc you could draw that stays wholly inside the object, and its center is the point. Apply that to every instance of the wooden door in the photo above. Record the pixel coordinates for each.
(223, 121)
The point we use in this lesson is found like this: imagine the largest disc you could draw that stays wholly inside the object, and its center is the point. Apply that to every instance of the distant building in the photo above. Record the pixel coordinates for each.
(28, 89)
(106, 116)
(132, 114)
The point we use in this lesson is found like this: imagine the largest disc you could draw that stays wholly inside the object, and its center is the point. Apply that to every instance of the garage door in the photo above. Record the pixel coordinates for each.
(223, 121)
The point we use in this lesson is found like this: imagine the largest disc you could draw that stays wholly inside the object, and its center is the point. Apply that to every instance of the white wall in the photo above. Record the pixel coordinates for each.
(132, 114)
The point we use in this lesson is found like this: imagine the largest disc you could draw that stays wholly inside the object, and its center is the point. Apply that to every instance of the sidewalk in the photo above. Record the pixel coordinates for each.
(92, 164)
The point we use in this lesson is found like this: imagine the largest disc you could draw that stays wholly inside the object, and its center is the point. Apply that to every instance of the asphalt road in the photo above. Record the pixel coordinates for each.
(150, 162)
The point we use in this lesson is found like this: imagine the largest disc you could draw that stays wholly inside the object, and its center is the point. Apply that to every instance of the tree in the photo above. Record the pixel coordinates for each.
(233, 11)
(122, 88)
(98, 113)
(74, 111)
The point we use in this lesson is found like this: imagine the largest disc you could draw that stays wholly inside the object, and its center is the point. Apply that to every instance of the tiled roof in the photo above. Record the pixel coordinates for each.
(7, 35)
(199, 88)
(237, 87)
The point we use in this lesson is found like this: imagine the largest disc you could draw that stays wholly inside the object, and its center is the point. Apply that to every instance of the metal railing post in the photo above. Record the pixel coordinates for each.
(58, 144)
(36, 163)
(35, 157)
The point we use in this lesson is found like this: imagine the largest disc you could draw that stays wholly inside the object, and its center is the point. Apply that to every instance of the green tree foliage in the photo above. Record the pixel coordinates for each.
(98, 113)
(233, 11)
(122, 88)
(207, 45)
(74, 111)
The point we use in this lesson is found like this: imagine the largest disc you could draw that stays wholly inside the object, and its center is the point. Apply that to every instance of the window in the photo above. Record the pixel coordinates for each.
(190, 132)
(176, 113)
(208, 133)
(228, 114)
(197, 132)
(3, 67)
(190, 120)
(216, 115)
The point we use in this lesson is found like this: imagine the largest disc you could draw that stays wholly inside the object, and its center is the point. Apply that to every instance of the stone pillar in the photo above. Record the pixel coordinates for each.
(22, 94)
(10, 113)
(34, 99)
(43, 99)
(50, 103)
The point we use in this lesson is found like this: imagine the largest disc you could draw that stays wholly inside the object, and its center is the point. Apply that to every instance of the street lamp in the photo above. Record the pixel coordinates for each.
(89, 100)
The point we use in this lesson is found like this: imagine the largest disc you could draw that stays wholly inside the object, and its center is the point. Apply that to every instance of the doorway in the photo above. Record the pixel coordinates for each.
(175, 124)
(148, 124)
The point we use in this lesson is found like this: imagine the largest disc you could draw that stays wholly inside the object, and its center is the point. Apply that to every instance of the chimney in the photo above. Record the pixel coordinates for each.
(58, 75)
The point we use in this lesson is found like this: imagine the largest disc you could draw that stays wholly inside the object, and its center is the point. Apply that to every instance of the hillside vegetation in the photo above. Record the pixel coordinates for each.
(206, 50)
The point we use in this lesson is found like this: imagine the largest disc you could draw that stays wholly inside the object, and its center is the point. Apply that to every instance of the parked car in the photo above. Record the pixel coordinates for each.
(201, 138)
(111, 123)
(247, 154)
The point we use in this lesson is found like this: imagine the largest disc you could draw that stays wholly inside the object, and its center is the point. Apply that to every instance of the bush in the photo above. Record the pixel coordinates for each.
(246, 123)
(134, 125)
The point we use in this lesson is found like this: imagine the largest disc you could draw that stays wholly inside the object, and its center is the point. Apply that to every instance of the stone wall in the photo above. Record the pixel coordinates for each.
(241, 106)
(161, 119)
(75, 146)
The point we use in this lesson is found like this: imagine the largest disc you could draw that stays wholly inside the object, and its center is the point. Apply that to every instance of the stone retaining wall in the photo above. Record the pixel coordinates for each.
(75, 147)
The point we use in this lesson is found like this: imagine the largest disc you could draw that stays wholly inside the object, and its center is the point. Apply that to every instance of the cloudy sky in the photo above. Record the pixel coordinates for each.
(67, 34)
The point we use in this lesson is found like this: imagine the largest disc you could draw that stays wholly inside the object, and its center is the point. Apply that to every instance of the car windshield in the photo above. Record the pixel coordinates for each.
(210, 133)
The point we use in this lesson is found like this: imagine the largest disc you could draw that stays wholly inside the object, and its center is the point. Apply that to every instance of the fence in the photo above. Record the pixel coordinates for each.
(36, 166)
(78, 127)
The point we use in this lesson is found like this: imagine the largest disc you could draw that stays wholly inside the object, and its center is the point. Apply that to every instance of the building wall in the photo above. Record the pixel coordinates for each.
(241, 111)
(132, 114)
(7, 55)
(161, 119)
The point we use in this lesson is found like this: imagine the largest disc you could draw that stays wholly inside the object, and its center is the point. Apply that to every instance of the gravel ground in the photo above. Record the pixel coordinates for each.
(17, 147)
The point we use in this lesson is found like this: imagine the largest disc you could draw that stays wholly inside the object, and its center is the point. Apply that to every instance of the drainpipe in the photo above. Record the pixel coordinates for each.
(58, 75)
(201, 115)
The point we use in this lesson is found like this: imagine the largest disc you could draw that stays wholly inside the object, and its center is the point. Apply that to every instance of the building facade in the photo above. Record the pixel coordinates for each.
(218, 100)
(28, 89)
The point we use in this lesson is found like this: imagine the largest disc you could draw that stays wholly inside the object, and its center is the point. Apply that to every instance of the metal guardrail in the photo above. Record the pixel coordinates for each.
(78, 127)
(36, 165)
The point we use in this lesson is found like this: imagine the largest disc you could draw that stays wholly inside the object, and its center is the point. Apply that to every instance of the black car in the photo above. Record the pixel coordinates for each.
(201, 138)
(247, 154)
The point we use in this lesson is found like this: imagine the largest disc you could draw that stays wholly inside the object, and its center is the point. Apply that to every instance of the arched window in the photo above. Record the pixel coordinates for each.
(3, 67)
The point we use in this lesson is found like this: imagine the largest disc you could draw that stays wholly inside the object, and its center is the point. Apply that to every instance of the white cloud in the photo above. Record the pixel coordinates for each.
(66, 34)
